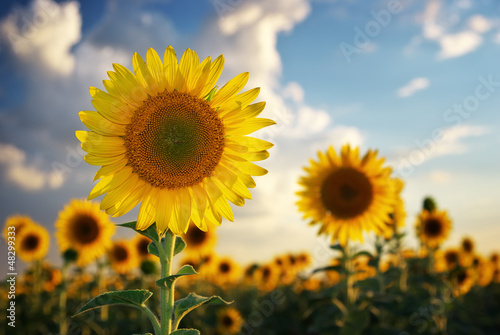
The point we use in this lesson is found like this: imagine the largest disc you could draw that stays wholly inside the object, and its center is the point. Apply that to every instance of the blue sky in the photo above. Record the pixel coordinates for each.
(417, 80)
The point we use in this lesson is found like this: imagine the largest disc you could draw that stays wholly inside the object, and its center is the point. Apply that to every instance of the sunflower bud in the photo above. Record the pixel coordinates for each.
(429, 204)
(148, 267)
(70, 255)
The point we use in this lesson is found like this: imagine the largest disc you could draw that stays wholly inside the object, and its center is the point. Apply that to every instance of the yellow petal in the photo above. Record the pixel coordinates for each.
(97, 160)
(182, 211)
(164, 208)
(155, 66)
(110, 182)
(118, 194)
(147, 210)
(215, 72)
(130, 201)
(217, 199)
(249, 126)
(143, 75)
(113, 168)
(170, 68)
(97, 123)
(231, 88)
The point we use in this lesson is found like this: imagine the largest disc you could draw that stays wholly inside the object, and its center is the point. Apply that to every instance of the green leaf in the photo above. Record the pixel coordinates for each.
(192, 301)
(153, 250)
(356, 323)
(133, 298)
(179, 245)
(186, 270)
(148, 232)
(186, 332)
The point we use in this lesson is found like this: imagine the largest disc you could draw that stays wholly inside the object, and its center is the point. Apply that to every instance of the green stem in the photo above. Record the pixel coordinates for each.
(349, 277)
(101, 288)
(153, 320)
(166, 252)
(63, 322)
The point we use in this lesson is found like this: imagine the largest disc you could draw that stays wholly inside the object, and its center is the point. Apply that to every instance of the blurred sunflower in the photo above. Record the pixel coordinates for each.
(362, 268)
(249, 273)
(303, 260)
(463, 280)
(388, 261)
(226, 271)
(347, 194)
(433, 227)
(141, 243)
(333, 276)
(447, 260)
(466, 251)
(198, 241)
(167, 137)
(267, 277)
(484, 270)
(18, 222)
(32, 243)
(51, 277)
(229, 321)
(123, 257)
(82, 226)
(398, 215)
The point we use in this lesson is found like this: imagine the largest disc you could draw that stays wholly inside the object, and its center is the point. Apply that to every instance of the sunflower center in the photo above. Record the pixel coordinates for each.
(346, 193)
(461, 277)
(467, 245)
(142, 247)
(224, 267)
(30, 242)
(227, 321)
(120, 254)
(451, 258)
(433, 227)
(196, 237)
(174, 140)
(85, 228)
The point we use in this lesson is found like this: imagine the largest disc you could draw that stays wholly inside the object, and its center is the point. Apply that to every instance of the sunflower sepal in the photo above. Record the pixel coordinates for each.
(153, 250)
(183, 306)
(186, 332)
(179, 245)
(186, 270)
(149, 232)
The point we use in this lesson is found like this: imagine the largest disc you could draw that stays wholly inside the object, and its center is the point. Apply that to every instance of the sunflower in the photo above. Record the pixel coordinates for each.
(17, 222)
(51, 277)
(229, 321)
(267, 277)
(82, 226)
(463, 280)
(398, 215)
(447, 260)
(167, 137)
(389, 261)
(484, 269)
(466, 251)
(433, 227)
(362, 268)
(198, 241)
(225, 271)
(303, 260)
(347, 195)
(141, 243)
(32, 243)
(123, 257)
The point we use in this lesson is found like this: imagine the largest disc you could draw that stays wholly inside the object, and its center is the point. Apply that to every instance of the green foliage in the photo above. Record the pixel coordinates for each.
(149, 232)
(132, 298)
(192, 301)
(186, 332)
(186, 270)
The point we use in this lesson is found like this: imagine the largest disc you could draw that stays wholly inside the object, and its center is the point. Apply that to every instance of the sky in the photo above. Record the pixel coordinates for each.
(417, 80)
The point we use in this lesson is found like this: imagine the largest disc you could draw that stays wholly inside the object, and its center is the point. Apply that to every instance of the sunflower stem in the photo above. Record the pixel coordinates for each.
(167, 293)
(63, 323)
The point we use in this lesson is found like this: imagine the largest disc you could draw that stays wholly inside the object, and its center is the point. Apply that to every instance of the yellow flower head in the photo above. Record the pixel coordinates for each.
(15, 224)
(229, 321)
(433, 227)
(123, 257)
(226, 271)
(267, 277)
(32, 243)
(168, 138)
(82, 226)
(347, 194)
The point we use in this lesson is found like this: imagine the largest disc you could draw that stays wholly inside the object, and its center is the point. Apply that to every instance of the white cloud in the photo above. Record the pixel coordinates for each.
(339, 136)
(42, 34)
(449, 143)
(294, 92)
(459, 44)
(479, 23)
(28, 177)
(413, 86)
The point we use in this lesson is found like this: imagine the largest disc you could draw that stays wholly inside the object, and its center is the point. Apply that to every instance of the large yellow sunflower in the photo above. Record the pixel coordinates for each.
(32, 243)
(347, 194)
(433, 227)
(167, 137)
(14, 224)
(82, 226)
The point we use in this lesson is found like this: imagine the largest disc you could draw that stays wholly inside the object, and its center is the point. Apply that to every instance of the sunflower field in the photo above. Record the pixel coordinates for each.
(168, 139)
